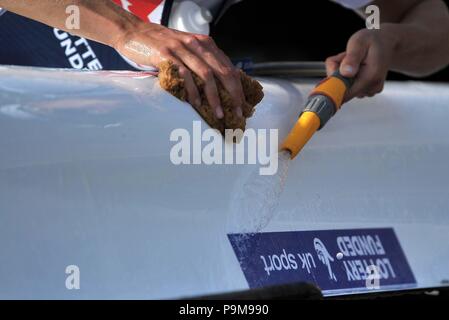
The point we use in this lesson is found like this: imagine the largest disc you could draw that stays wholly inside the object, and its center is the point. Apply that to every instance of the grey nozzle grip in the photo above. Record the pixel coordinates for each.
(322, 106)
(348, 81)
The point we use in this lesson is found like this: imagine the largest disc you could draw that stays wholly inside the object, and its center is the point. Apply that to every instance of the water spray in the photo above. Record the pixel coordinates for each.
(256, 204)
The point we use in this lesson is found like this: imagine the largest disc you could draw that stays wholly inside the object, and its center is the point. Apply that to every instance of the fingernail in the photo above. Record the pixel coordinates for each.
(239, 112)
(219, 113)
(348, 70)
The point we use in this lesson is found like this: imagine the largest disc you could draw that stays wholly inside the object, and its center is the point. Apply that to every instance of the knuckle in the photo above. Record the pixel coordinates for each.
(328, 61)
(354, 41)
(201, 36)
(359, 35)
(184, 72)
(206, 73)
(206, 39)
(174, 44)
(165, 52)
(228, 72)
(191, 41)
(352, 56)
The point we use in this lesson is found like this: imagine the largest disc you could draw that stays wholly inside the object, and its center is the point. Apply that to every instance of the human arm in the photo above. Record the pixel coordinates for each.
(143, 42)
(413, 39)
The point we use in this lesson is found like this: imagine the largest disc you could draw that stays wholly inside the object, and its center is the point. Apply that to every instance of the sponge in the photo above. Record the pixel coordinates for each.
(171, 81)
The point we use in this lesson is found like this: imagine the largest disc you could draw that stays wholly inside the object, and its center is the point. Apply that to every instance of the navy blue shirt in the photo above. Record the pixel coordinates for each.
(27, 42)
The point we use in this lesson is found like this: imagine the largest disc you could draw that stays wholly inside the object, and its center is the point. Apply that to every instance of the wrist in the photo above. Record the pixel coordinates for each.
(391, 34)
(124, 28)
(105, 22)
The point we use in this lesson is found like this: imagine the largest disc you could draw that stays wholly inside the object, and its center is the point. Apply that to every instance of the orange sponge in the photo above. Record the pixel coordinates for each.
(171, 81)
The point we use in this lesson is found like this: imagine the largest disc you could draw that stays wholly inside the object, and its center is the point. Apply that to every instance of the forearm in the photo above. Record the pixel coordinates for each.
(100, 20)
(146, 44)
(421, 36)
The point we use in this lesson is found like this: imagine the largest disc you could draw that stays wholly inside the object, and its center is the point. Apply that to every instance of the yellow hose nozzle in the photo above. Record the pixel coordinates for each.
(324, 101)
(307, 124)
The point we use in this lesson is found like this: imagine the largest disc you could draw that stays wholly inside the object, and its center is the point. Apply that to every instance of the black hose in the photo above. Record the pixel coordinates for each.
(289, 69)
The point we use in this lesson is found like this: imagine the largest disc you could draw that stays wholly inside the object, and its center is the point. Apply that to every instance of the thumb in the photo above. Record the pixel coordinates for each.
(356, 51)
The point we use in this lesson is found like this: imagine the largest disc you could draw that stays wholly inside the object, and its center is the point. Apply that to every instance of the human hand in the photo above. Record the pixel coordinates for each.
(149, 44)
(367, 59)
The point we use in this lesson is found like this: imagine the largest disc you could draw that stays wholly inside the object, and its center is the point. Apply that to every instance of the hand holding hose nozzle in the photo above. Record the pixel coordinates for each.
(324, 101)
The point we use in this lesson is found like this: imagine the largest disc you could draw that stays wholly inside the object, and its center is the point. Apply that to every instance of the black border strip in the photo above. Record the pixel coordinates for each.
(166, 12)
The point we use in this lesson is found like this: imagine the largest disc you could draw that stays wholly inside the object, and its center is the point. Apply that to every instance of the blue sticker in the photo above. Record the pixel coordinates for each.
(339, 261)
